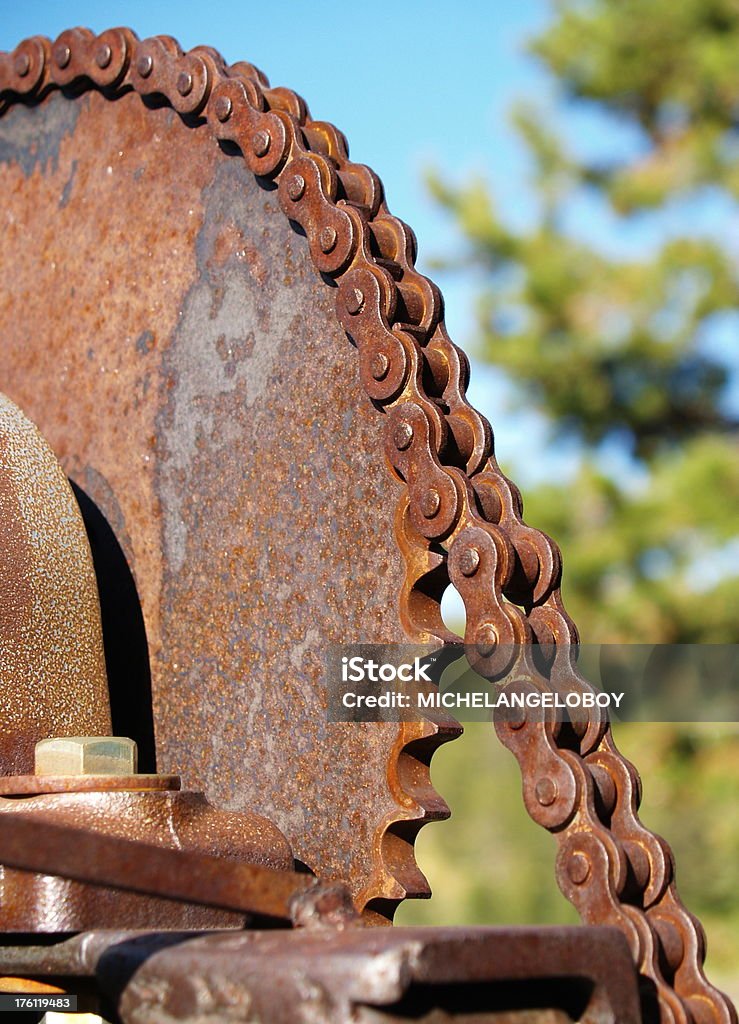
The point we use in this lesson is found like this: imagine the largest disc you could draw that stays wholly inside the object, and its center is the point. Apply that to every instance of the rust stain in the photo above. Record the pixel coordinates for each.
(232, 243)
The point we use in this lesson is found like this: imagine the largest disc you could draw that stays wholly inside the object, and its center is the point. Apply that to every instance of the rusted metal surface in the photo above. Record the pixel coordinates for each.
(52, 665)
(458, 517)
(34, 785)
(429, 975)
(325, 907)
(159, 847)
(541, 975)
(180, 353)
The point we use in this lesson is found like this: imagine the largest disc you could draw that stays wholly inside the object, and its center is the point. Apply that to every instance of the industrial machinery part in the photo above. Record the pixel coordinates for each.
(85, 756)
(203, 337)
(155, 845)
(54, 679)
(52, 664)
(360, 976)
(165, 328)
(178, 851)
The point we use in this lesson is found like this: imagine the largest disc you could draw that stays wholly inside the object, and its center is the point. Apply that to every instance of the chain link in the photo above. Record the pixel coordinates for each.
(461, 520)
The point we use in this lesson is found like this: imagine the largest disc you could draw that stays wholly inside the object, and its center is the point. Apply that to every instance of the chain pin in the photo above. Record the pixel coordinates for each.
(578, 869)
(184, 83)
(403, 435)
(223, 107)
(546, 791)
(62, 55)
(103, 56)
(260, 143)
(380, 366)
(144, 65)
(354, 301)
(296, 187)
(486, 641)
(469, 563)
(327, 239)
(430, 503)
(22, 65)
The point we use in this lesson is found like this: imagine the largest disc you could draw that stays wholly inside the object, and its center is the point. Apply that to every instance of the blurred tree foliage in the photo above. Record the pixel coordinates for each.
(620, 354)
(616, 352)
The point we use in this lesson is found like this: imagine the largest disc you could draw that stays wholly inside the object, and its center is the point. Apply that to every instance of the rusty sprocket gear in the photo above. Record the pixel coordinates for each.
(459, 518)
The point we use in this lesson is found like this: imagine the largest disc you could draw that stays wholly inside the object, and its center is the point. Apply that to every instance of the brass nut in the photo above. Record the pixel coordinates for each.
(86, 755)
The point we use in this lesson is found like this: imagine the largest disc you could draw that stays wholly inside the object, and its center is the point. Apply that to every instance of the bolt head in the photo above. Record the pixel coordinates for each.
(430, 503)
(184, 83)
(62, 55)
(578, 868)
(469, 563)
(380, 365)
(486, 641)
(296, 187)
(103, 56)
(546, 791)
(260, 143)
(144, 65)
(22, 65)
(86, 755)
(354, 301)
(223, 107)
(403, 435)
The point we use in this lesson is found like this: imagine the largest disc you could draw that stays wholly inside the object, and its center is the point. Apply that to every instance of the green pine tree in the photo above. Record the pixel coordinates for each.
(619, 353)
(615, 352)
